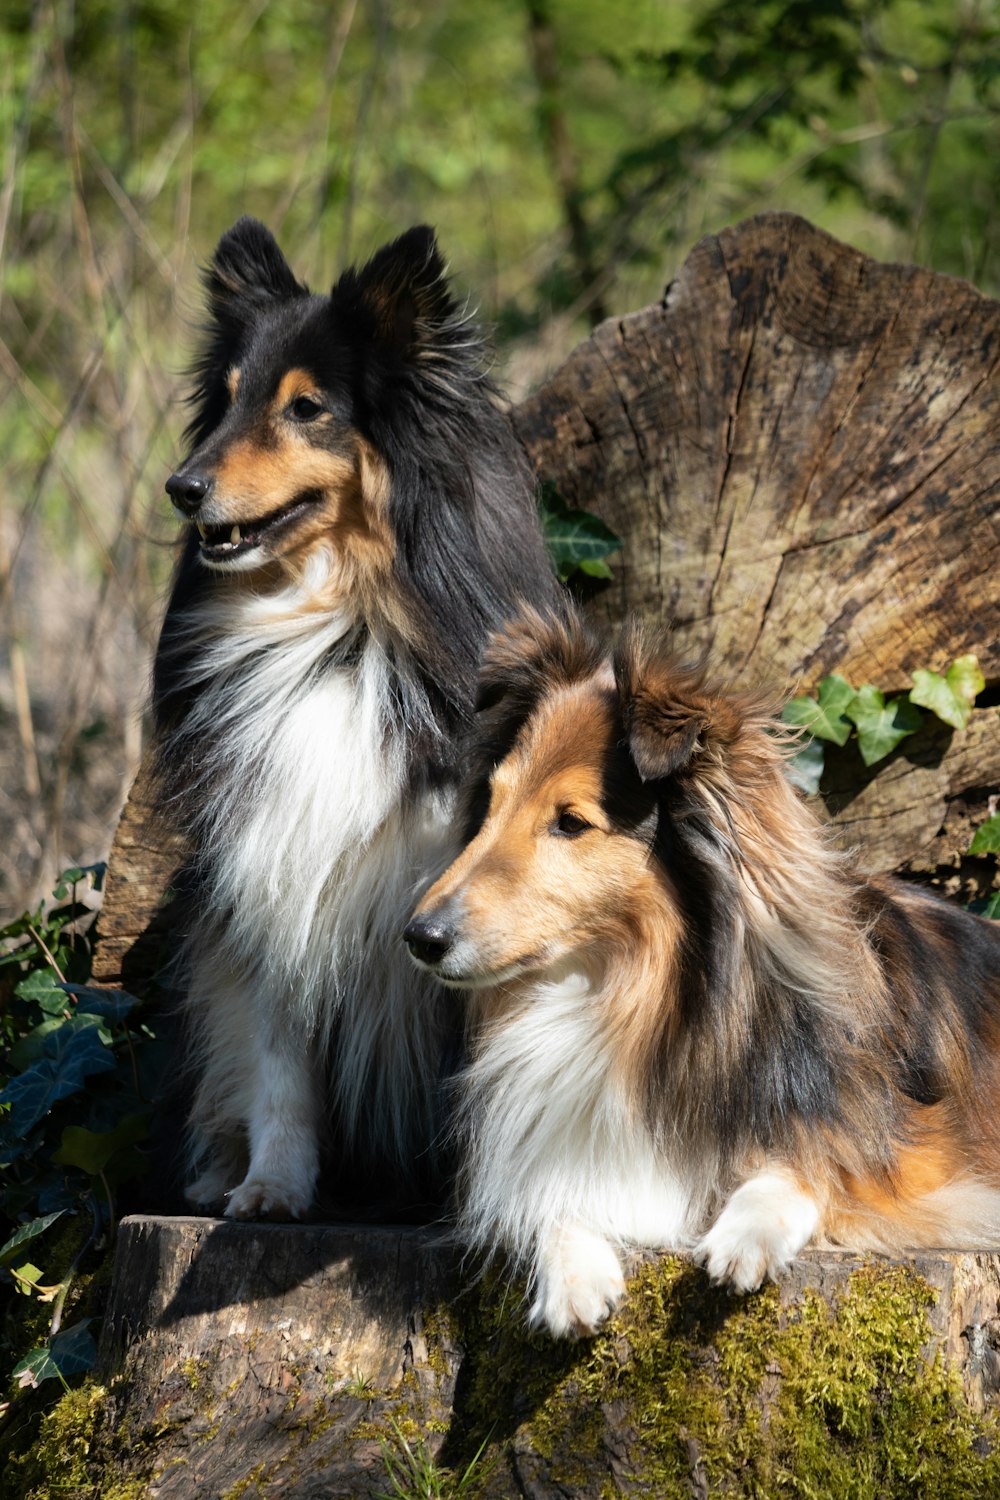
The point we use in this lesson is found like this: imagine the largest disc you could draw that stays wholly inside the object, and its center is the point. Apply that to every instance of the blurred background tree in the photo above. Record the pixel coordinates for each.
(569, 153)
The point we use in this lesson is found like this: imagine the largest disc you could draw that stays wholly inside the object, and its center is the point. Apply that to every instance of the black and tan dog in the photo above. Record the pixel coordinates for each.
(359, 516)
(691, 1022)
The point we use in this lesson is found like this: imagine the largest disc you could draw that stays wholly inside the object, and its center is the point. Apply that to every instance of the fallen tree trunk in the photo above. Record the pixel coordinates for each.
(800, 448)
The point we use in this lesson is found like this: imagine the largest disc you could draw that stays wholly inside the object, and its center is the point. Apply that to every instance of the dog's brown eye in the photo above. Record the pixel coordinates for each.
(569, 825)
(305, 409)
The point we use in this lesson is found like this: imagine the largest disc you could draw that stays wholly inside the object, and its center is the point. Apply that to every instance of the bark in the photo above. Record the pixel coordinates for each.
(289, 1360)
(801, 451)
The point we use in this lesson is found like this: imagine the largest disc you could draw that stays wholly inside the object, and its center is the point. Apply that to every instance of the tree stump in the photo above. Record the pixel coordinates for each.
(800, 448)
(297, 1360)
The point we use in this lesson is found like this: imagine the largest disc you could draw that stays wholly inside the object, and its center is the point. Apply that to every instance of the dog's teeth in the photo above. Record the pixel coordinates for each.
(234, 535)
(202, 530)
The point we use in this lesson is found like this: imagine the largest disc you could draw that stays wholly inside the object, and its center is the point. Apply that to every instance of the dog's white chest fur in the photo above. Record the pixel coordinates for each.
(314, 854)
(554, 1140)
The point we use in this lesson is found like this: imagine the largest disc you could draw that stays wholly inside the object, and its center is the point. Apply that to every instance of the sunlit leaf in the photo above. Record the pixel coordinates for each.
(823, 716)
(26, 1233)
(43, 988)
(881, 726)
(26, 1277)
(952, 696)
(986, 839)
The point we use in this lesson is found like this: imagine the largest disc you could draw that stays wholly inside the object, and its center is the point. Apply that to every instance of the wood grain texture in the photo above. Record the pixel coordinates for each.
(801, 450)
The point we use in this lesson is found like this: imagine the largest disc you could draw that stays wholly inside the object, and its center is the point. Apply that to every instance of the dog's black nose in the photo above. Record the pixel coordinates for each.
(187, 491)
(428, 939)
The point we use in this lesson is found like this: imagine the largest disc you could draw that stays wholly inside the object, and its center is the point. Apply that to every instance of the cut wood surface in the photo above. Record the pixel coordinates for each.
(290, 1359)
(801, 451)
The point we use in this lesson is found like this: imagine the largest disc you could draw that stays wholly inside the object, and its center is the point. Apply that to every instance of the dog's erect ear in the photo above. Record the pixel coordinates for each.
(404, 292)
(668, 715)
(533, 652)
(247, 271)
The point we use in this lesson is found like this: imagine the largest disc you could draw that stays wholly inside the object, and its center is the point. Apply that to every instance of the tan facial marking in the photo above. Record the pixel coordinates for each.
(233, 382)
(529, 892)
(293, 383)
(253, 481)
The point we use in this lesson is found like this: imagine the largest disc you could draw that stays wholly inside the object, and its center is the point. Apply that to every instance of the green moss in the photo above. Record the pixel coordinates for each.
(830, 1396)
(242, 1485)
(58, 1460)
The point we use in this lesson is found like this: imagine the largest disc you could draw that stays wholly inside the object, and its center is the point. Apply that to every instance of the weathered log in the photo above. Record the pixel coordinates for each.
(801, 450)
(295, 1360)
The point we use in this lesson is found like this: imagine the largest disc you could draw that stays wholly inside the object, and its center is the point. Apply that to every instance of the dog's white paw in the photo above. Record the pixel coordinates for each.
(760, 1231)
(578, 1283)
(260, 1197)
(210, 1190)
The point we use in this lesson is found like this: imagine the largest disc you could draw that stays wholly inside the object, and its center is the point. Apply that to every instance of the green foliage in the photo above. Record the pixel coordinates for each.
(69, 1352)
(72, 1109)
(839, 710)
(823, 717)
(415, 1475)
(950, 697)
(986, 839)
(577, 540)
(881, 726)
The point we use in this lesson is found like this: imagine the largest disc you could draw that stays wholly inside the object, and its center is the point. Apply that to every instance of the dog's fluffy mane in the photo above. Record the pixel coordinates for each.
(770, 1004)
(307, 730)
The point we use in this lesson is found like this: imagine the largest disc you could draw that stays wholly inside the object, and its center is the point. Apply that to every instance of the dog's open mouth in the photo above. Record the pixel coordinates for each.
(220, 544)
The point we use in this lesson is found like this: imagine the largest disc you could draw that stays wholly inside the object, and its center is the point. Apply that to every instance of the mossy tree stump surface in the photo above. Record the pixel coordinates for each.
(295, 1360)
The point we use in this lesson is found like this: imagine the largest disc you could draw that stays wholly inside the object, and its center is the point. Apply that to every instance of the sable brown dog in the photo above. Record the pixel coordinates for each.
(691, 1022)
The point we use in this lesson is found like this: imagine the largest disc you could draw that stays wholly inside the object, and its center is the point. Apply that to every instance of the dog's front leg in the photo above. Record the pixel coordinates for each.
(577, 1281)
(762, 1228)
(283, 1115)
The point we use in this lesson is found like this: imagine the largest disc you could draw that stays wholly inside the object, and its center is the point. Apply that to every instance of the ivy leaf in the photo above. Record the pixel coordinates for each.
(71, 1056)
(26, 1233)
(823, 716)
(805, 769)
(111, 1005)
(33, 1044)
(880, 725)
(595, 567)
(70, 1352)
(574, 537)
(43, 988)
(992, 907)
(27, 1277)
(92, 1150)
(949, 697)
(986, 839)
